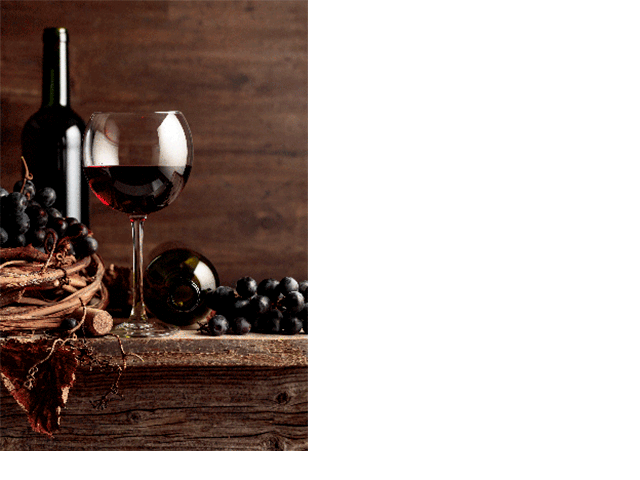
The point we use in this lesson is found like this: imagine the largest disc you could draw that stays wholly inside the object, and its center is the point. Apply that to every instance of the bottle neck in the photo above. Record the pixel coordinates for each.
(184, 295)
(55, 69)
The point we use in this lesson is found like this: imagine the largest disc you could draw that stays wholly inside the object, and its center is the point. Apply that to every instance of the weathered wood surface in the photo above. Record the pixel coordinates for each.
(190, 392)
(190, 348)
(237, 70)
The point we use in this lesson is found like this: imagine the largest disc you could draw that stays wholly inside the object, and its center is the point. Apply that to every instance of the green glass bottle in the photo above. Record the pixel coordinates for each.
(175, 283)
(52, 137)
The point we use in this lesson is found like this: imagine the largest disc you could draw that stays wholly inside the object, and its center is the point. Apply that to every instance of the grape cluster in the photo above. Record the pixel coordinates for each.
(27, 217)
(268, 307)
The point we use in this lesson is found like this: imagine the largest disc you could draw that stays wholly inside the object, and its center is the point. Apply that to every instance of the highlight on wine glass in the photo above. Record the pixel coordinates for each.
(138, 163)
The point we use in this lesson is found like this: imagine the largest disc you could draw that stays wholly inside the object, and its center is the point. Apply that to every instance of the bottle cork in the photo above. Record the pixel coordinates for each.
(97, 322)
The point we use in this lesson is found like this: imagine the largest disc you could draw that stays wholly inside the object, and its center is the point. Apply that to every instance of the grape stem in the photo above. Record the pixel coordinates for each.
(27, 176)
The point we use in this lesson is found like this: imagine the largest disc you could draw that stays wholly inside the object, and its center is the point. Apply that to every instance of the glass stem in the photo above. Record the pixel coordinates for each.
(138, 312)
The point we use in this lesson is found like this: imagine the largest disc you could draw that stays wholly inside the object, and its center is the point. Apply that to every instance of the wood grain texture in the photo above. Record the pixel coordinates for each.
(189, 392)
(172, 408)
(236, 69)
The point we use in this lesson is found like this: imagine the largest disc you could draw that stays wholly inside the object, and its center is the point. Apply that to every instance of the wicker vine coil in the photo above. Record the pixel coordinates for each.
(37, 290)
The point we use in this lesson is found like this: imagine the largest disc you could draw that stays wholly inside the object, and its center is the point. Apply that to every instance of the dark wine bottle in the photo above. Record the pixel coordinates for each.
(175, 283)
(52, 137)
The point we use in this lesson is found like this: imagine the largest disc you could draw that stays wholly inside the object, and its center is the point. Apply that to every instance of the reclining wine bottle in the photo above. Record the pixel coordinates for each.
(52, 137)
(175, 283)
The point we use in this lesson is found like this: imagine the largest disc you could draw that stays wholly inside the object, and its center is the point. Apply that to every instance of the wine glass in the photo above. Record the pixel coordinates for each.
(137, 163)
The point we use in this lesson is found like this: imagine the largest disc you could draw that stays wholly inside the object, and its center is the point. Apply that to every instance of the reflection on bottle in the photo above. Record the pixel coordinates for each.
(73, 172)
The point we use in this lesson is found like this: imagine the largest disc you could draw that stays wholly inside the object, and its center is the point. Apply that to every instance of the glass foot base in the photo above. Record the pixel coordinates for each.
(144, 329)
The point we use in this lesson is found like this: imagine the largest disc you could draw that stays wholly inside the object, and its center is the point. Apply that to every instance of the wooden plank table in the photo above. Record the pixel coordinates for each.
(184, 392)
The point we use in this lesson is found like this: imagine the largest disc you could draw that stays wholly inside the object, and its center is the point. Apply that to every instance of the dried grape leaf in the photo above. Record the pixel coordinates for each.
(52, 380)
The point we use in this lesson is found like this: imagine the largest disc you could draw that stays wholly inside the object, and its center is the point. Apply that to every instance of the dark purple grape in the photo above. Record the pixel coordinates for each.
(54, 213)
(303, 289)
(15, 202)
(38, 216)
(291, 325)
(304, 316)
(241, 308)
(288, 284)
(240, 326)
(85, 246)
(270, 322)
(36, 237)
(3, 192)
(21, 223)
(4, 236)
(76, 230)
(221, 299)
(269, 288)
(72, 220)
(68, 324)
(29, 190)
(218, 325)
(59, 225)
(46, 196)
(292, 302)
(246, 287)
(259, 304)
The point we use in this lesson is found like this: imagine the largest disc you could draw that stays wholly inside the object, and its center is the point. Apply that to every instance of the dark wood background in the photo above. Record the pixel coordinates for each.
(236, 69)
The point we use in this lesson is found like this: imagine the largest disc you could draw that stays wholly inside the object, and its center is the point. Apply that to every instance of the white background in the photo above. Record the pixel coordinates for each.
(475, 239)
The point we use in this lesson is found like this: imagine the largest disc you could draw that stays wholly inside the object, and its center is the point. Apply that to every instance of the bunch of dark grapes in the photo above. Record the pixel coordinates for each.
(270, 306)
(27, 217)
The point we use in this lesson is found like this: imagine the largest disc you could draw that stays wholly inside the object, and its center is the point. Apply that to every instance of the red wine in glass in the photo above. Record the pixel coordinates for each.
(137, 190)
